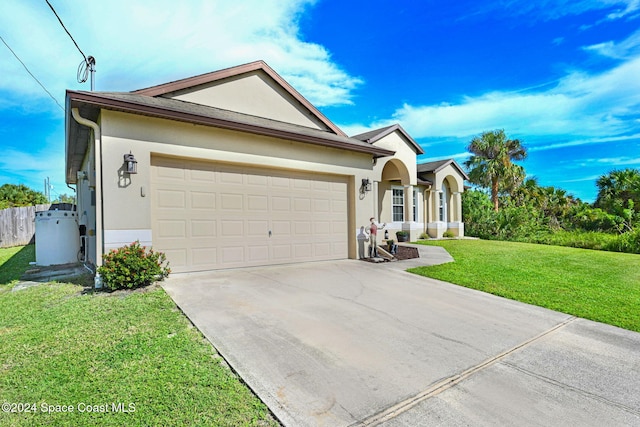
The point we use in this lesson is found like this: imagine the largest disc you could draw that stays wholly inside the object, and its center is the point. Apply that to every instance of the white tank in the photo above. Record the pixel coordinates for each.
(57, 237)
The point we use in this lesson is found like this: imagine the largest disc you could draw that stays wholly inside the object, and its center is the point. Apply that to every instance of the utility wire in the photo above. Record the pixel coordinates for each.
(65, 28)
(86, 66)
(31, 74)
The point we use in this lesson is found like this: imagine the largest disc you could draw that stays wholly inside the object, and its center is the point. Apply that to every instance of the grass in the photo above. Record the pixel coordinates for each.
(62, 345)
(15, 261)
(601, 286)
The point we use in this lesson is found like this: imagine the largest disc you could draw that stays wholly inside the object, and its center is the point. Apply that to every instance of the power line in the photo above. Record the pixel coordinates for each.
(31, 74)
(65, 28)
(87, 66)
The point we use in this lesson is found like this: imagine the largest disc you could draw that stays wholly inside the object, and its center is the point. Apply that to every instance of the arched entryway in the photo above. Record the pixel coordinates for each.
(396, 199)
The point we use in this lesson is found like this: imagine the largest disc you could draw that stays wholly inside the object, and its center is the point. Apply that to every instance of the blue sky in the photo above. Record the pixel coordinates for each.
(562, 76)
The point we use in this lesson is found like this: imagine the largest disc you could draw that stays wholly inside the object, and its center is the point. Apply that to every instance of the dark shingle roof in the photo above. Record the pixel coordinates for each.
(377, 134)
(91, 102)
(435, 166)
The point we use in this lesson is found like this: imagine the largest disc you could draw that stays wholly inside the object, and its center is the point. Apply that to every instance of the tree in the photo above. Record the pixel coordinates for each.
(616, 188)
(65, 198)
(12, 195)
(491, 163)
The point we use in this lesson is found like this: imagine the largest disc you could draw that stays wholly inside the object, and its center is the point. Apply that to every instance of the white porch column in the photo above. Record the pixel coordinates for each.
(457, 207)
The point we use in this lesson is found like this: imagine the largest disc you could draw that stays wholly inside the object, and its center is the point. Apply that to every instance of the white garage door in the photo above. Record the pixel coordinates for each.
(208, 216)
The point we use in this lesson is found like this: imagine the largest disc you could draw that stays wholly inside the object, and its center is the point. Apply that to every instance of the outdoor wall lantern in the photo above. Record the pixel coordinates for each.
(130, 164)
(366, 184)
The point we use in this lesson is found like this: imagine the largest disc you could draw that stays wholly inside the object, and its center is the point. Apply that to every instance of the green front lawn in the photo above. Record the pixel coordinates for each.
(15, 261)
(601, 286)
(104, 354)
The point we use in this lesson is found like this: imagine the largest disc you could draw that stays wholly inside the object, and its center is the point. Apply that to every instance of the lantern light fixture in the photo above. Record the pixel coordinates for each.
(366, 184)
(130, 164)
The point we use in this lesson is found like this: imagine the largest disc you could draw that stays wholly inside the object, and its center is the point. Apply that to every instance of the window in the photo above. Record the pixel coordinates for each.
(444, 197)
(415, 205)
(398, 204)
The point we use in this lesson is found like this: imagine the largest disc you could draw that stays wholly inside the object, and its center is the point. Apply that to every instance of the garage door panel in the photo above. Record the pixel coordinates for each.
(257, 228)
(302, 205)
(258, 254)
(281, 228)
(199, 176)
(302, 184)
(209, 216)
(233, 254)
(204, 257)
(321, 205)
(280, 204)
(258, 180)
(258, 203)
(322, 228)
(172, 229)
(338, 227)
(339, 206)
(302, 228)
(203, 228)
(232, 228)
(303, 251)
(281, 252)
(203, 200)
(171, 199)
(231, 202)
(177, 258)
(322, 249)
(231, 177)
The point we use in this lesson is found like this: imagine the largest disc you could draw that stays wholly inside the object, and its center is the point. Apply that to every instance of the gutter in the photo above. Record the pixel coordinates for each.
(98, 166)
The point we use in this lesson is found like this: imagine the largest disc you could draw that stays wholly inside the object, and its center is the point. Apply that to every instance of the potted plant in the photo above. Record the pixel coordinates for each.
(403, 236)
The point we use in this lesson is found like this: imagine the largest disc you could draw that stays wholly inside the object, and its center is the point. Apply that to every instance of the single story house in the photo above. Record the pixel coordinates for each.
(235, 168)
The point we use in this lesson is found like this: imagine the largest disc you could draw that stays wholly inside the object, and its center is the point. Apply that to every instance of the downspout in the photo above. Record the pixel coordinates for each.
(97, 152)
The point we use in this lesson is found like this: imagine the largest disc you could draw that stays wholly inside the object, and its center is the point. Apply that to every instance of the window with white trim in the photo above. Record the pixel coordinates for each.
(415, 204)
(444, 201)
(397, 204)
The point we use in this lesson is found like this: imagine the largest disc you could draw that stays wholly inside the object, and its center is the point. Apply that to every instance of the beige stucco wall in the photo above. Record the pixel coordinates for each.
(400, 170)
(255, 94)
(127, 206)
(404, 153)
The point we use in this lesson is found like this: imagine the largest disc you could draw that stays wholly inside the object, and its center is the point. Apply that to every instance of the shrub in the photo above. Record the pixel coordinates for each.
(448, 234)
(132, 267)
(424, 236)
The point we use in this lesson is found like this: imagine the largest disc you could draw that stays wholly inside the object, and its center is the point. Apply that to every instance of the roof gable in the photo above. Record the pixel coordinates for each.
(438, 165)
(253, 89)
(375, 135)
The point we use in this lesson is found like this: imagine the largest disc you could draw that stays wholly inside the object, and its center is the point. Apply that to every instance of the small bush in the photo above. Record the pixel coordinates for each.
(424, 236)
(448, 234)
(132, 267)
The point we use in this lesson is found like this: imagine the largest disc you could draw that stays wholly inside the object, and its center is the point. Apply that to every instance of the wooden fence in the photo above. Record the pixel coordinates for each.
(18, 225)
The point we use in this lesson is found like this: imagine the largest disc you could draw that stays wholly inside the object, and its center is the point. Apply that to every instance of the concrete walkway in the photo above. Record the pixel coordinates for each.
(353, 343)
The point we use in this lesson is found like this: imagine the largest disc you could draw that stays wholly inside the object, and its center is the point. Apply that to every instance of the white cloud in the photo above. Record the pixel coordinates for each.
(556, 9)
(30, 167)
(142, 43)
(586, 141)
(627, 48)
(458, 157)
(580, 104)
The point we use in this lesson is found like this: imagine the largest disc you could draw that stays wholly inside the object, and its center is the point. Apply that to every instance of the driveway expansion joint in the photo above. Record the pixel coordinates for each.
(439, 387)
(569, 387)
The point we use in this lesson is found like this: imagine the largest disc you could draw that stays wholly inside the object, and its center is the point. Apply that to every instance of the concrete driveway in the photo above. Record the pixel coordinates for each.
(352, 343)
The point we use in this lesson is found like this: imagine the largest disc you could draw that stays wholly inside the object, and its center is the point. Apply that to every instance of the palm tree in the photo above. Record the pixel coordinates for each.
(616, 188)
(491, 164)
